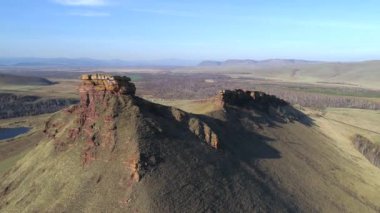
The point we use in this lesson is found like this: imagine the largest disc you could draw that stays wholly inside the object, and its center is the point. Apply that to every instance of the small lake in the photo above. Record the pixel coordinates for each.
(7, 133)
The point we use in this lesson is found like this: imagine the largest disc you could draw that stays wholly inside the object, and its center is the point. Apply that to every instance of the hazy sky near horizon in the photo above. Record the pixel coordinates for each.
(191, 29)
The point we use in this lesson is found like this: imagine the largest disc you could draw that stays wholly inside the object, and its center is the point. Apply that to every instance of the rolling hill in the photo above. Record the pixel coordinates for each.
(257, 63)
(362, 74)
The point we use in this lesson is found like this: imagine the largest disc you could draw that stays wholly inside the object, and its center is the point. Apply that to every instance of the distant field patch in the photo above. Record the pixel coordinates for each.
(339, 91)
(364, 122)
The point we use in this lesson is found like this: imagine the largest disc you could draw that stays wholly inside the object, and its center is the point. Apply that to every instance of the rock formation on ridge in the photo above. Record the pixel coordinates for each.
(103, 82)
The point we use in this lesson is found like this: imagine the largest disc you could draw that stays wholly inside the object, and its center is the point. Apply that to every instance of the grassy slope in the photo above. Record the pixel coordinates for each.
(322, 170)
(355, 121)
(9, 162)
(361, 175)
(196, 107)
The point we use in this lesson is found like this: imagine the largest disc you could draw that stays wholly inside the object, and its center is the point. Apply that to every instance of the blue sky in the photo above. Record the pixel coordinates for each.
(198, 29)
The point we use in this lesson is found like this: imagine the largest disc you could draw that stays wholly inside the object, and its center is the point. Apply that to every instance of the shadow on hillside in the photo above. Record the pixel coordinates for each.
(240, 128)
(229, 174)
(302, 117)
(240, 137)
(234, 136)
(283, 114)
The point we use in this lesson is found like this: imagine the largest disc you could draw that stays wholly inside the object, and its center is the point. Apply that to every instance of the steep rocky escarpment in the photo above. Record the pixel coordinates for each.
(370, 150)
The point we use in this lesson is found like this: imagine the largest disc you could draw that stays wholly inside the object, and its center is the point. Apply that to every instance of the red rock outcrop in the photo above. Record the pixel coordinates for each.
(97, 108)
(96, 95)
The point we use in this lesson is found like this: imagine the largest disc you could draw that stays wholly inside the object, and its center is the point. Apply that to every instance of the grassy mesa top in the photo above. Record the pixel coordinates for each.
(104, 82)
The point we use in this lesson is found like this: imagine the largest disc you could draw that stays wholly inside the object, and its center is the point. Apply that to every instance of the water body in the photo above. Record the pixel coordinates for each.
(7, 133)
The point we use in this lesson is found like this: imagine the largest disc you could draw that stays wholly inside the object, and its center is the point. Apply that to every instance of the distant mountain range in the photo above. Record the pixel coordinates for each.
(89, 62)
(260, 63)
